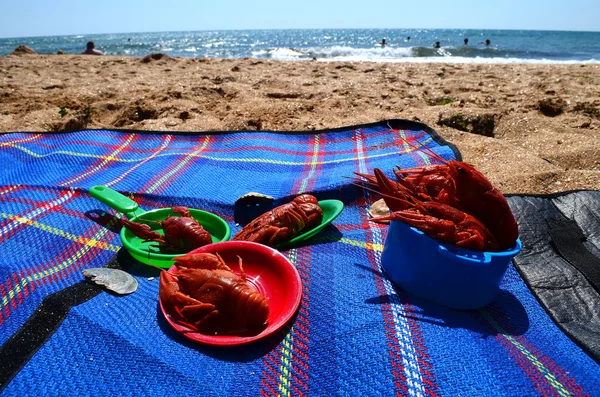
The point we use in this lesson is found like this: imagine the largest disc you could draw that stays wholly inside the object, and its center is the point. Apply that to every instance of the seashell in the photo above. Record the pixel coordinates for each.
(250, 206)
(255, 197)
(115, 280)
(379, 208)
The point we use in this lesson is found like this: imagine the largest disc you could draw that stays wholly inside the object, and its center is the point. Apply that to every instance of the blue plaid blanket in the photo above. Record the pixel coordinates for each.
(355, 333)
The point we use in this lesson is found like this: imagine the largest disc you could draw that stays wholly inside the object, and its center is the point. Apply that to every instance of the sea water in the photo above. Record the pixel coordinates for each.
(403, 45)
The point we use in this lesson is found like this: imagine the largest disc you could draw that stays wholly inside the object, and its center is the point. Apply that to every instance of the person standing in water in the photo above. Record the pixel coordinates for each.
(436, 45)
(383, 43)
(466, 41)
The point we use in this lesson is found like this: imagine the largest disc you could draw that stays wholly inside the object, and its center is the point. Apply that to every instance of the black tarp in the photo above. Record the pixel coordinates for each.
(560, 259)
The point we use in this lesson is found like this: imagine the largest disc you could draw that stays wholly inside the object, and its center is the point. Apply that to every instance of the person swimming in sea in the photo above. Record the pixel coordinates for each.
(436, 45)
(91, 49)
(466, 41)
(486, 42)
(383, 43)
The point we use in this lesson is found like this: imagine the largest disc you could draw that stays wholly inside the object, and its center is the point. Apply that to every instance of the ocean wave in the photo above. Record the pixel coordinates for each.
(332, 53)
(411, 54)
(282, 54)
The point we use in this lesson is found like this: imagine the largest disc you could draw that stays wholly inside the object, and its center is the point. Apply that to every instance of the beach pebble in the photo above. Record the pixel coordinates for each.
(115, 280)
(551, 107)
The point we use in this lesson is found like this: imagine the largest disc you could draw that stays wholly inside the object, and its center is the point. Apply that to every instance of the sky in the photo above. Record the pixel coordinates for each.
(67, 17)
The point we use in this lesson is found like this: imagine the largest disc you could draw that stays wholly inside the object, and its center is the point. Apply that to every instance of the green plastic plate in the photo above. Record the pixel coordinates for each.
(147, 252)
(331, 210)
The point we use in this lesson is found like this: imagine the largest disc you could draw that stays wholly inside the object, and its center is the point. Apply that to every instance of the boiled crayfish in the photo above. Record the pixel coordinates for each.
(181, 233)
(452, 201)
(206, 295)
(283, 223)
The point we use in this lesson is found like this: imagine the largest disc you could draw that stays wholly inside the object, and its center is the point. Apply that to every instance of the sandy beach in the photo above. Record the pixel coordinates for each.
(529, 128)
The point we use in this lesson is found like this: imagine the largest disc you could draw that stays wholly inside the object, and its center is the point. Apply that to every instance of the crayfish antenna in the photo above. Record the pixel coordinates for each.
(222, 265)
(343, 185)
(424, 148)
(162, 269)
(156, 267)
(369, 189)
(421, 147)
(367, 178)
(243, 274)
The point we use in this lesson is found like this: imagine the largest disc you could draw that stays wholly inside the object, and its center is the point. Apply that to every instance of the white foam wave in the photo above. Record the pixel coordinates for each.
(391, 54)
(282, 54)
(362, 54)
(335, 53)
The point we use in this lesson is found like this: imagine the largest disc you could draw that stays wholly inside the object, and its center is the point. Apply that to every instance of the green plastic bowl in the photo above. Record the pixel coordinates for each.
(147, 251)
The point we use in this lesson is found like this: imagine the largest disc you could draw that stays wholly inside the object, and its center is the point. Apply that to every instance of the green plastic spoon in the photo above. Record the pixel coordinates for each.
(145, 251)
(331, 210)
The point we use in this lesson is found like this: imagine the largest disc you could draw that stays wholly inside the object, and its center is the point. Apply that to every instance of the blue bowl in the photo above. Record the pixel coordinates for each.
(442, 273)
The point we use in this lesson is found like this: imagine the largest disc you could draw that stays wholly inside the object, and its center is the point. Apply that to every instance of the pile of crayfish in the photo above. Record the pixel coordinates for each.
(181, 233)
(283, 223)
(452, 202)
(206, 295)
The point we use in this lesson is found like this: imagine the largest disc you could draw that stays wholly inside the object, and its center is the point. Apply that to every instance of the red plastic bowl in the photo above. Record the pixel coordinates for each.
(268, 271)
